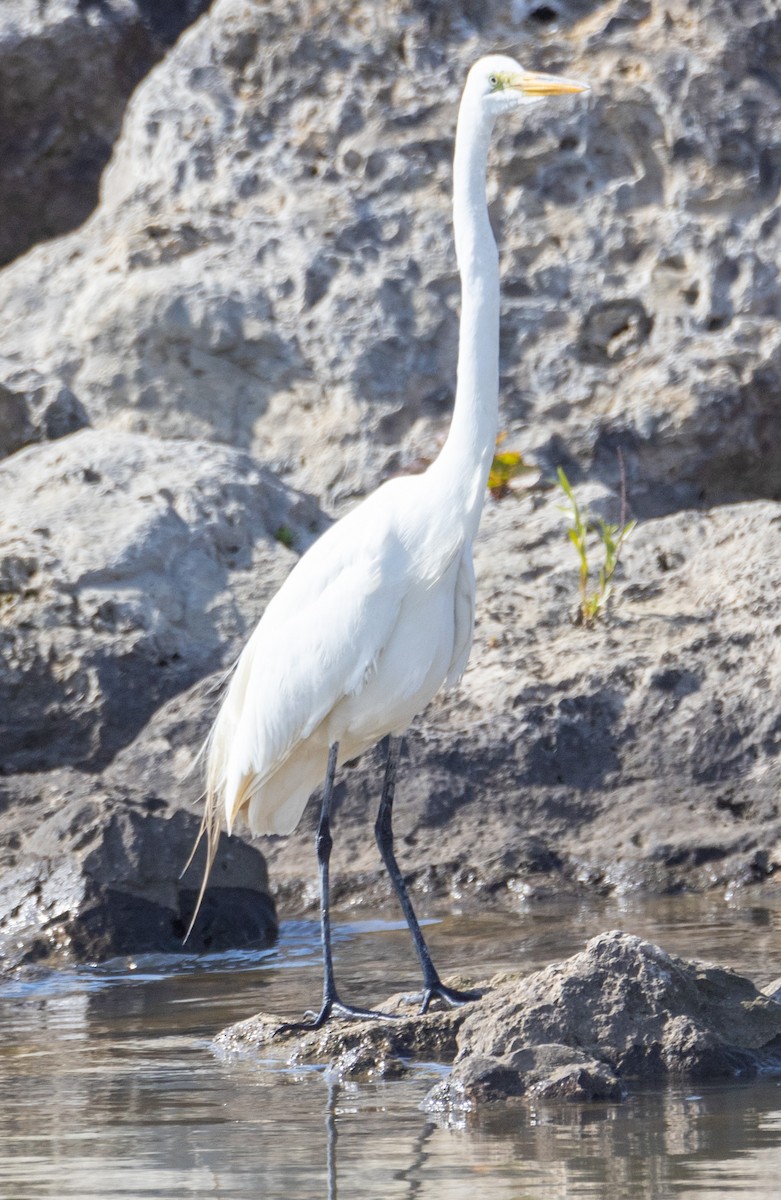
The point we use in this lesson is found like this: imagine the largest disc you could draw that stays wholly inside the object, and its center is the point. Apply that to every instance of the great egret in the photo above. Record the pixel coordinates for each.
(378, 613)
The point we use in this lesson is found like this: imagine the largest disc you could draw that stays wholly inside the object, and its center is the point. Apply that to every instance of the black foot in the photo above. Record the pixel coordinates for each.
(333, 1008)
(451, 996)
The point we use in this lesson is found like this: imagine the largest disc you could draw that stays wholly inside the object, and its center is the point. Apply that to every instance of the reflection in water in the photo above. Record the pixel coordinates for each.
(330, 1130)
(108, 1086)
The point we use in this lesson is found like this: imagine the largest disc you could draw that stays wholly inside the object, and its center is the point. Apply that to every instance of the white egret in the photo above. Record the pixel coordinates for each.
(378, 613)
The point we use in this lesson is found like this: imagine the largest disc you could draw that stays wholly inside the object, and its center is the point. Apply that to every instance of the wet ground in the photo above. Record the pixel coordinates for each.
(109, 1086)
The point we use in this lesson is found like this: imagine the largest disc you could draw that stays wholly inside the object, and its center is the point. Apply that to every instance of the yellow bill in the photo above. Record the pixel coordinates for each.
(534, 83)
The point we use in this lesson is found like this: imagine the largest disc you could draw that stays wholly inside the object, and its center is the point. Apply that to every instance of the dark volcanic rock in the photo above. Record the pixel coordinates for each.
(96, 884)
(620, 1011)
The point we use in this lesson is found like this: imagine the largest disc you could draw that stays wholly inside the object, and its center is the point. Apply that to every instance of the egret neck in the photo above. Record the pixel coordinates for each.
(465, 459)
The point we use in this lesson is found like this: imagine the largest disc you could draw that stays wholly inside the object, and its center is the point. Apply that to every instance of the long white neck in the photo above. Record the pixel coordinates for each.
(465, 459)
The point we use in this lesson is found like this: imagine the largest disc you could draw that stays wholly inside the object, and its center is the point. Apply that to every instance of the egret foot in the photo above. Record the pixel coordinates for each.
(452, 996)
(331, 1008)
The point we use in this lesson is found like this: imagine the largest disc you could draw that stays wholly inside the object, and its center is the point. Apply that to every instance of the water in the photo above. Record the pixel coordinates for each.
(109, 1086)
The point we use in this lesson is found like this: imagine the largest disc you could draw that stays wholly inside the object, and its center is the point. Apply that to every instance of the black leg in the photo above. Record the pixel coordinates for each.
(323, 843)
(383, 831)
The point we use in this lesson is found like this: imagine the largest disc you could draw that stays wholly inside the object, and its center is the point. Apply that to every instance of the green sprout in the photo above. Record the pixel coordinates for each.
(593, 600)
(285, 536)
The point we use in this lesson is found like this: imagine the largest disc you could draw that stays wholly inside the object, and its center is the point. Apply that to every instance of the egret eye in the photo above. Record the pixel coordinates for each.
(494, 82)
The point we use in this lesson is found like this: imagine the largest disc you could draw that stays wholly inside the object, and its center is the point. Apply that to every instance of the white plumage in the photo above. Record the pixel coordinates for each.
(360, 636)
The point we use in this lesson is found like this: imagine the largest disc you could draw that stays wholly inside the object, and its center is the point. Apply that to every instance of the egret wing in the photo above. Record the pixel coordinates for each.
(464, 617)
(318, 642)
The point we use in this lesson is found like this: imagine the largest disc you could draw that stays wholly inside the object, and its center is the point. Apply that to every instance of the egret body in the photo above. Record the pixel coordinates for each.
(378, 614)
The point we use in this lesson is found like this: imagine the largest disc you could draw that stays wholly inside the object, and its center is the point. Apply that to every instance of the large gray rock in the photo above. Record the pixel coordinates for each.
(271, 262)
(621, 1011)
(66, 70)
(129, 567)
(99, 879)
(619, 756)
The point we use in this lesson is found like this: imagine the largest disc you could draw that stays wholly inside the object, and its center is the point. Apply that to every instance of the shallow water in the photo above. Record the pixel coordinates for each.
(109, 1086)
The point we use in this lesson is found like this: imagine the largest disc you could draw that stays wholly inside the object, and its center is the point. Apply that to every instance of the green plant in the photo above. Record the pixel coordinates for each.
(285, 536)
(593, 599)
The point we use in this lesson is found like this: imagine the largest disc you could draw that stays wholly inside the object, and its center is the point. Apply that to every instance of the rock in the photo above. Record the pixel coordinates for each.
(128, 569)
(615, 757)
(621, 1011)
(579, 1083)
(568, 757)
(185, 541)
(96, 883)
(546, 1072)
(35, 409)
(270, 265)
(247, 207)
(639, 753)
(66, 71)
(354, 1049)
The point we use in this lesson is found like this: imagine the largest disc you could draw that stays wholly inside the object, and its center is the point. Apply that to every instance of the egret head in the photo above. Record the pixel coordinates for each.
(499, 84)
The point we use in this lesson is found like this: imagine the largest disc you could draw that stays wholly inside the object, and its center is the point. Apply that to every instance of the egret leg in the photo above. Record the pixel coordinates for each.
(383, 831)
(323, 843)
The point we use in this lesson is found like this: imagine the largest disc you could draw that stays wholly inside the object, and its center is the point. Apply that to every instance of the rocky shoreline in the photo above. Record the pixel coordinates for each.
(257, 324)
